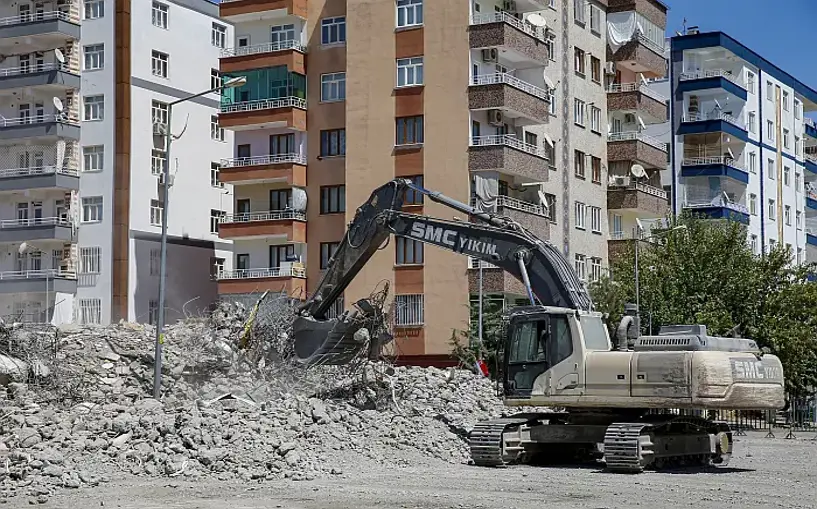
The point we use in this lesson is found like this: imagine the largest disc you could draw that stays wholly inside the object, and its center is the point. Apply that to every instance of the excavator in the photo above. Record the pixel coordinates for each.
(641, 403)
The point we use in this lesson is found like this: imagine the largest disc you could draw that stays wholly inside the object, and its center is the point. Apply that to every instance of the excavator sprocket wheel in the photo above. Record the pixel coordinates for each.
(488, 445)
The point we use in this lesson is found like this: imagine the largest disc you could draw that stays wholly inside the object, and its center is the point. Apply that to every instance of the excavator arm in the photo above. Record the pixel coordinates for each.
(537, 263)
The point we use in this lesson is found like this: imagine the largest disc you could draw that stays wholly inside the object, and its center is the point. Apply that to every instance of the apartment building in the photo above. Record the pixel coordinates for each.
(82, 85)
(742, 147)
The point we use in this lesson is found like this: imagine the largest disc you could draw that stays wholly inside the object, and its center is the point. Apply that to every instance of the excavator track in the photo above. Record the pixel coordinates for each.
(488, 446)
(626, 449)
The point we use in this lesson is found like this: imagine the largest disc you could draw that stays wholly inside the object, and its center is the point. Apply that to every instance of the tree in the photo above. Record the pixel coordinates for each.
(466, 345)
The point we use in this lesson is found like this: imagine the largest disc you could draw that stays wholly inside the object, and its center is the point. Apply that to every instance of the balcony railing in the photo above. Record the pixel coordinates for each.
(617, 88)
(640, 186)
(264, 104)
(262, 273)
(700, 117)
(636, 135)
(37, 119)
(268, 47)
(39, 170)
(37, 274)
(811, 192)
(517, 204)
(508, 140)
(41, 16)
(809, 122)
(812, 158)
(31, 69)
(713, 73)
(659, 48)
(238, 162)
(504, 17)
(501, 78)
(271, 215)
(704, 161)
(716, 202)
(35, 221)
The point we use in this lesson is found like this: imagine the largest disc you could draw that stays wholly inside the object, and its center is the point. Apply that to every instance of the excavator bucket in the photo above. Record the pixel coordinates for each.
(329, 342)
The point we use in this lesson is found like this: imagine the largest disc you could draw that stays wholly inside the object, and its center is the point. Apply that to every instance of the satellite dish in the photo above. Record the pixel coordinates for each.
(23, 248)
(548, 81)
(58, 104)
(638, 171)
(549, 140)
(59, 56)
(537, 20)
(731, 154)
(641, 123)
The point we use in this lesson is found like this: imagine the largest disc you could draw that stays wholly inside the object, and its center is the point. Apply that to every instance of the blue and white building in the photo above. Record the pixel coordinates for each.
(741, 145)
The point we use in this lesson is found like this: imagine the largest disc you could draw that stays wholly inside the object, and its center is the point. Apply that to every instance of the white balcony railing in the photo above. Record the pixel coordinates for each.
(703, 161)
(508, 140)
(630, 183)
(812, 158)
(268, 47)
(262, 273)
(504, 17)
(618, 88)
(37, 119)
(32, 69)
(238, 162)
(716, 202)
(34, 222)
(37, 274)
(713, 73)
(264, 104)
(37, 171)
(270, 215)
(700, 117)
(516, 204)
(636, 135)
(659, 48)
(502, 78)
(31, 18)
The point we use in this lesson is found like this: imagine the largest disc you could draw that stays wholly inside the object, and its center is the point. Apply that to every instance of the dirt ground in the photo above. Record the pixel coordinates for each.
(764, 473)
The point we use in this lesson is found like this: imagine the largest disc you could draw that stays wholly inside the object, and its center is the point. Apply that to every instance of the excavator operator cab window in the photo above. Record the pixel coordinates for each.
(534, 346)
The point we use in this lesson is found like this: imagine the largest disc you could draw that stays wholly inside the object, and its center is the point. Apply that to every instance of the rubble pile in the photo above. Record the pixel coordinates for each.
(87, 414)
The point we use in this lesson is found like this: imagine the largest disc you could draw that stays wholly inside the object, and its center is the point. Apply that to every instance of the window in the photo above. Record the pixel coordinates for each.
(786, 140)
(94, 107)
(550, 213)
(770, 130)
(595, 165)
(216, 266)
(215, 78)
(408, 310)
(550, 44)
(797, 150)
(797, 177)
(409, 13)
(752, 162)
(595, 269)
(214, 171)
(156, 210)
(158, 112)
(408, 252)
(333, 87)
(595, 69)
(581, 267)
(786, 175)
(771, 169)
(552, 4)
(551, 101)
(92, 209)
(769, 91)
(798, 217)
(581, 215)
(753, 243)
(787, 215)
(753, 204)
(94, 57)
(772, 210)
(333, 199)
(578, 163)
(90, 311)
(409, 71)
(409, 130)
(595, 219)
(153, 312)
(412, 197)
(327, 252)
(785, 101)
(578, 62)
(595, 19)
(90, 260)
(283, 35)
(333, 142)
(798, 109)
(799, 255)
(94, 9)
(333, 30)
(218, 37)
(578, 11)
(93, 158)
(157, 161)
(159, 15)
(155, 261)
(578, 112)
(215, 218)
(750, 82)
(752, 121)
(772, 244)
(595, 119)
(159, 63)
(216, 131)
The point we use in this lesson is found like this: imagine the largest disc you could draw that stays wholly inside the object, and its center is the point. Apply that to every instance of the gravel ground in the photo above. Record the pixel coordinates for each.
(764, 473)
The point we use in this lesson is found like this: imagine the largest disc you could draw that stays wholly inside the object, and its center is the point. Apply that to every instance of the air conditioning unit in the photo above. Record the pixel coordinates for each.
(629, 118)
(610, 67)
(619, 181)
(490, 55)
(495, 118)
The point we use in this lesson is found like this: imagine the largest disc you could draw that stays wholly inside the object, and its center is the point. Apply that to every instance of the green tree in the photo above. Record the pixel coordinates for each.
(466, 346)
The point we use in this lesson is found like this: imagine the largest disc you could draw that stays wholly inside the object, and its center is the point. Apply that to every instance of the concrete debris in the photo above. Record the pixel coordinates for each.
(223, 414)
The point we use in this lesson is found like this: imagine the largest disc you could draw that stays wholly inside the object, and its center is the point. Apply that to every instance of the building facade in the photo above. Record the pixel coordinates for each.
(82, 85)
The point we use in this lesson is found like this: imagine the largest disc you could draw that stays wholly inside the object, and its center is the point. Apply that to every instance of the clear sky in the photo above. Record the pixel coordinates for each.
(778, 30)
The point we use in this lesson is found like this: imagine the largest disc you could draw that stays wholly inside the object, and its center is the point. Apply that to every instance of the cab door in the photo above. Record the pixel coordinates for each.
(526, 357)
(564, 357)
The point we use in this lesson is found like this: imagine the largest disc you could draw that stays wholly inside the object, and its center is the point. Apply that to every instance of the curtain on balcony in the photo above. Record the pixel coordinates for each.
(486, 191)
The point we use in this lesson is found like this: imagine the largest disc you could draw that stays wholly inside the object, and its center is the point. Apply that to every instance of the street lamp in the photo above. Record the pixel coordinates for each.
(638, 240)
(168, 138)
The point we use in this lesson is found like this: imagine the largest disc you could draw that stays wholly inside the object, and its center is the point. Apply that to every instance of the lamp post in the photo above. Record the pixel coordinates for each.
(638, 240)
(168, 138)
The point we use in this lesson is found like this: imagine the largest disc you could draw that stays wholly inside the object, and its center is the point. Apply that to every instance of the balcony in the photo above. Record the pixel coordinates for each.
(719, 208)
(810, 128)
(39, 126)
(272, 54)
(699, 123)
(238, 11)
(624, 193)
(637, 97)
(45, 177)
(283, 225)
(713, 79)
(38, 32)
(518, 99)
(517, 40)
(53, 77)
(291, 279)
(529, 215)
(38, 281)
(717, 166)
(811, 200)
(811, 163)
(637, 146)
(289, 112)
(507, 154)
(289, 169)
(641, 55)
(39, 228)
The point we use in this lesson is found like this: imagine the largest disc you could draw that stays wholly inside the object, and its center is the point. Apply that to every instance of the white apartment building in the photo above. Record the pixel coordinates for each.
(81, 203)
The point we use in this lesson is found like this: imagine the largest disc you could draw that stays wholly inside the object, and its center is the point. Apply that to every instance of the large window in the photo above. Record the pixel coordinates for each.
(581, 266)
(156, 212)
(333, 30)
(409, 310)
(579, 62)
(409, 13)
(333, 87)
(94, 57)
(267, 83)
(159, 62)
(409, 130)
(409, 71)
(93, 158)
(578, 164)
(94, 9)
(90, 311)
(216, 131)
(327, 252)
(94, 107)
(92, 209)
(333, 199)
(159, 112)
(218, 37)
(90, 260)
(160, 14)
(581, 215)
(408, 252)
(413, 197)
(333, 142)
